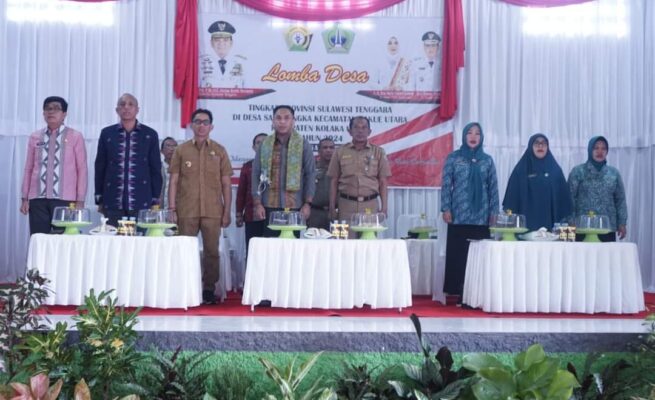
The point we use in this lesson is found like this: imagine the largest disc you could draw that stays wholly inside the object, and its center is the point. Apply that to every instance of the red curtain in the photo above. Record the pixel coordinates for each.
(452, 56)
(544, 3)
(185, 77)
(318, 10)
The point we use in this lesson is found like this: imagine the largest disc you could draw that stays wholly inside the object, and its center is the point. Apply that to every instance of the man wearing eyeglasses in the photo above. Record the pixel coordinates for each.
(55, 168)
(200, 194)
(127, 166)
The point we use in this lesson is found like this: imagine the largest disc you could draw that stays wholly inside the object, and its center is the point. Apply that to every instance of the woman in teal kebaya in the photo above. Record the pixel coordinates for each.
(598, 187)
(469, 200)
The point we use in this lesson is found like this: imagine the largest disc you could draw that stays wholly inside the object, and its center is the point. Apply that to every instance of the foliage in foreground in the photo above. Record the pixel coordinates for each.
(106, 358)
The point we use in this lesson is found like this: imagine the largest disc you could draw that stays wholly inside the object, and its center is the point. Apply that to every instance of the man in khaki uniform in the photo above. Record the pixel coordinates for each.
(359, 171)
(319, 217)
(200, 194)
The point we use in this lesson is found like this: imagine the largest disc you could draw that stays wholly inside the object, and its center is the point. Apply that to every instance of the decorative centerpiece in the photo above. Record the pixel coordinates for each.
(508, 225)
(71, 218)
(103, 228)
(155, 221)
(423, 226)
(592, 225)
(286, 222)
(368, 224)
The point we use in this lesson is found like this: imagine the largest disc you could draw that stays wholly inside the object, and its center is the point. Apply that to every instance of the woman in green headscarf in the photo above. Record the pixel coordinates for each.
(598, 187)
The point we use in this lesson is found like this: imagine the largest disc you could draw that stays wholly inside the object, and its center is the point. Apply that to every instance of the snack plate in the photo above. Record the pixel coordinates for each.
(550, 238)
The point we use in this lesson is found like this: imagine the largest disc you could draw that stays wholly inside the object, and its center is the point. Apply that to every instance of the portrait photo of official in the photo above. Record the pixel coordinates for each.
(426, 68)
(219, 67)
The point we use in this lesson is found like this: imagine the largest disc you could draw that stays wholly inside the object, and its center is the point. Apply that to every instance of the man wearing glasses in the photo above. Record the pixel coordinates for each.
(127, 166)
(55, 169)
(200, 194)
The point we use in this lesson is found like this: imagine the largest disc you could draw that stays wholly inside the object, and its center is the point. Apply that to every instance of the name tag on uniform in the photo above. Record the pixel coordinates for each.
(40, 144)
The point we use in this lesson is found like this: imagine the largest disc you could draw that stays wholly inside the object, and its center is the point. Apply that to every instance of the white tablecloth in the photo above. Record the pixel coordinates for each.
(154, 272)
(426, 268)
(554, 277)
(304, 273)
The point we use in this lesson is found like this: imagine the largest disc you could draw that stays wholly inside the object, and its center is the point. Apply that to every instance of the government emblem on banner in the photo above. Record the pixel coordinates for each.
(338, 39)
(298, 38)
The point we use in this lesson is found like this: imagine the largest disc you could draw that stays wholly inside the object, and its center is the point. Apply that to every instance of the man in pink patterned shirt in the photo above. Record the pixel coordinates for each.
(55, 169)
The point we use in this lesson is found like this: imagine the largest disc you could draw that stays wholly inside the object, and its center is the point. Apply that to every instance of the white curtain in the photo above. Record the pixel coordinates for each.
(567, 87)
(570, 87)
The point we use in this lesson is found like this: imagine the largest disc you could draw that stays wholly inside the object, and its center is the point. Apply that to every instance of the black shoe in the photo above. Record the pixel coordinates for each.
(264, 303)
(208, 297)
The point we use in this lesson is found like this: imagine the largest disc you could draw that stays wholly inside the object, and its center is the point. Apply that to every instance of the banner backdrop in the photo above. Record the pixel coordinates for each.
(387, 69)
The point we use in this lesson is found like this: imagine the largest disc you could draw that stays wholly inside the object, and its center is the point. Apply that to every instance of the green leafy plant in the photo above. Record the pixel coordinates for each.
(602, 385)
(48, 352)
(435, 378)
(104, 357)
(228, 384)
(534, 376)
(170, 378)
(38, 389)
(107, 343)
(17, 305)
(288, 380)
(356, 382)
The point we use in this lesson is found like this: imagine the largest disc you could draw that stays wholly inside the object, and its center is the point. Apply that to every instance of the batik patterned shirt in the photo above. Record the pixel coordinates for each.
(454, 191)
(599, 191)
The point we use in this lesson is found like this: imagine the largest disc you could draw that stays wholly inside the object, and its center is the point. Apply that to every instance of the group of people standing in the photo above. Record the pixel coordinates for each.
(536, 188)
(194, 180)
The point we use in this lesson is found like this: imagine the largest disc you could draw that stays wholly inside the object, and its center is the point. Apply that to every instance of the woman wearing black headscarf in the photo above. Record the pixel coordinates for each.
(537, 187)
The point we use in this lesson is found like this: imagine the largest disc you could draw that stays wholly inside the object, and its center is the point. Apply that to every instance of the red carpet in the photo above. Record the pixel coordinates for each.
(423, 306)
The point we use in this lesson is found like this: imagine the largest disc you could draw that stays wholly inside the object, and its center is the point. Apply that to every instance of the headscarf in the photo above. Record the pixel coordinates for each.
(474, 156)
(590, 152)
(537, 189)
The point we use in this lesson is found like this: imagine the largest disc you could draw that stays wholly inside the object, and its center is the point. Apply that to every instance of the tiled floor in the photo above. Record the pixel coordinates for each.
(344, 324)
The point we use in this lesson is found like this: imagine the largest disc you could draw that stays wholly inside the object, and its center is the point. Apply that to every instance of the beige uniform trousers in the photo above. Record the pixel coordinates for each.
(349, 207)
(210, 229)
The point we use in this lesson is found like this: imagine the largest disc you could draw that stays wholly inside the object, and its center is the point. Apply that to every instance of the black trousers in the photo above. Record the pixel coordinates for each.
(457, 249)
(607, 237)
(41, 211)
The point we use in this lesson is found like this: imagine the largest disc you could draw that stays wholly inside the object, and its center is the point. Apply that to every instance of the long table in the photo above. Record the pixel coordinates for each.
(554, 277)
(161, 272)
(315, 273)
